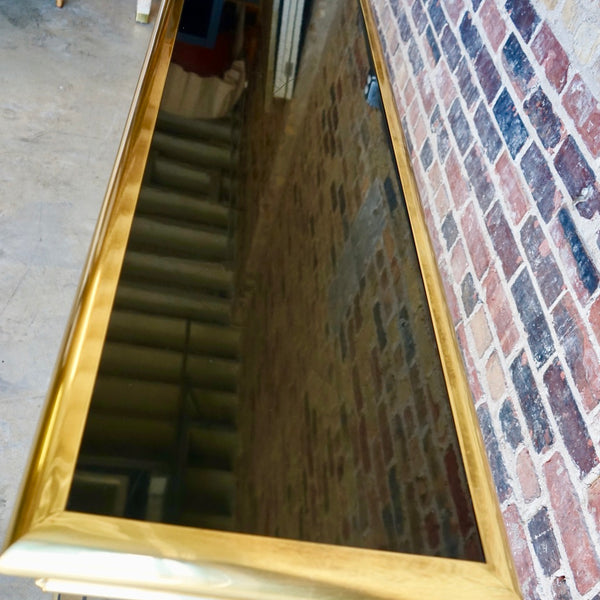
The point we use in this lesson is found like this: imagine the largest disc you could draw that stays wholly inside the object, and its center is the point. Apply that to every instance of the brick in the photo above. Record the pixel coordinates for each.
(560, 589)
(404, 27)
(496, 378)
(454, 8)
(449, 230)
(433, 46)
(465, 82)
(459, 185)
(379, 328)
(511, 189)
(397, 500)
(365, 453)
(460, 127)
(552, 57)
(510, 123)
(475, 242)
(472, 373)
(406, 335)
(419, 16)
(523, 16)
(487, 132)
(415, 57)
(494, 455)
(487, 74)
(520, 550)
(460, 496)
(443, 140)
(517, 65)
(578, 177)
(593, 501)
(510, 424)
(569, 419)
(566, 509)
(544, 542)
(548, 126)
(481, 331)
(437, 15)
(479, 178)
(539, 428)
(469, 295)
(541, 260)
(426, 155)
(528, 478)
(503, 240)
(450, 47)
(470, 36)
(585, 267)
(584, 109)
(500, 311)
(594, 317)
(427, 95)
(540, 181)
(492, 23)
(390, 194)
(458, 261)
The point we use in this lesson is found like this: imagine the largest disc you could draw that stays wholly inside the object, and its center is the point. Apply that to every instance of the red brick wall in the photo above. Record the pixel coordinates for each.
(504, 135)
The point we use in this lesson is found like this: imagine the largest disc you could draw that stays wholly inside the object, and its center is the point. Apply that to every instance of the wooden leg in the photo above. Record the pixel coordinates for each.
(59, 3)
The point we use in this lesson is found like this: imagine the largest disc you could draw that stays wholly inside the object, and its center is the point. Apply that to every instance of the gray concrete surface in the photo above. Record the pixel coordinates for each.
(66, 81)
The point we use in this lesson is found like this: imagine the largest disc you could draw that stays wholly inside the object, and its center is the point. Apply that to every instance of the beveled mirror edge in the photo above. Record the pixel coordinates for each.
(479, 476)
(46, 483)
(66, 545)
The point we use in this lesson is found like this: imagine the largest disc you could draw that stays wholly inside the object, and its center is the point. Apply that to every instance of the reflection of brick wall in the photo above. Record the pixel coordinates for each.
(346, 430)
(504, 136)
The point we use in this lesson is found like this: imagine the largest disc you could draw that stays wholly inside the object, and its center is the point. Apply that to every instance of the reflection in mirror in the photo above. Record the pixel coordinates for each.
(321, 412)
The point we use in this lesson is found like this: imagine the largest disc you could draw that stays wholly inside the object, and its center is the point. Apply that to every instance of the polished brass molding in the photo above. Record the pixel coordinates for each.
(107, 556)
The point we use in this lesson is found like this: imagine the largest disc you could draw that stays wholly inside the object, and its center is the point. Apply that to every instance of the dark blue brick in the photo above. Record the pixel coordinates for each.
(494, 454)
(404, 27)
(487, 74)
(585, 268)
(544, 542)
(449, 230)
(510, 424)
(510, 123)
(379, 328)
(465, 83)
(532, 316)
(426, 155)
(476, 5)
(419, 16)
(460, 127)
(435, 51)
(480, 179)
(406, 334)
(577, 175)
(543, 265)
(468, 293)
(415, 57)
(539, 178)
(390, 194)
(443, 141)
(397, 500)
(540, 430)
(470, 36)
(518, 64)
(523, 16)
(487, 132)
(437, 15)
(450, 48)
(543, 118)
(570, 422)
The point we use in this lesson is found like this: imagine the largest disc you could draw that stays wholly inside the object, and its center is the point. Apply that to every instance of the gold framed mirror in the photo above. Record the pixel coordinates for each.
(69, 550)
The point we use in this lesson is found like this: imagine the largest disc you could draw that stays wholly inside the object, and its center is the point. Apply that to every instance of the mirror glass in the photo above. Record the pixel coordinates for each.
(311, 404)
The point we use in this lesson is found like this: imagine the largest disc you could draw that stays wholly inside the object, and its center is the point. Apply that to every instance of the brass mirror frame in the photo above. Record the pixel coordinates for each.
(106, 556)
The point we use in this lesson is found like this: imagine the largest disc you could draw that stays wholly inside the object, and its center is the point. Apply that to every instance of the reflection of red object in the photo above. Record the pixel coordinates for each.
(205, 61)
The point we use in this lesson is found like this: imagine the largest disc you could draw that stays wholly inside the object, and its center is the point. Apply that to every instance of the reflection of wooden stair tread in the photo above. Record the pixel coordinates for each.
(212, 447)
(176, 238)
(172, 301)
(192, 150)
(209, 489)
(170, 332)
(184, 272)
(206, 129)
(204, 521)
(164, 202)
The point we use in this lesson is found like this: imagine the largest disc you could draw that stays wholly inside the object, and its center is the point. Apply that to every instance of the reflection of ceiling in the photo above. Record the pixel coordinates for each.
(160, 437)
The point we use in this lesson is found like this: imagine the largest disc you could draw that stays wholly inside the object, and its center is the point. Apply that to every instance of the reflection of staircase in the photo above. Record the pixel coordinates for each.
(165, 396)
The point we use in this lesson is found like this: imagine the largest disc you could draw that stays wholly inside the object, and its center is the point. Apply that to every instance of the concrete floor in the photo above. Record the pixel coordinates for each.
(66, 82)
